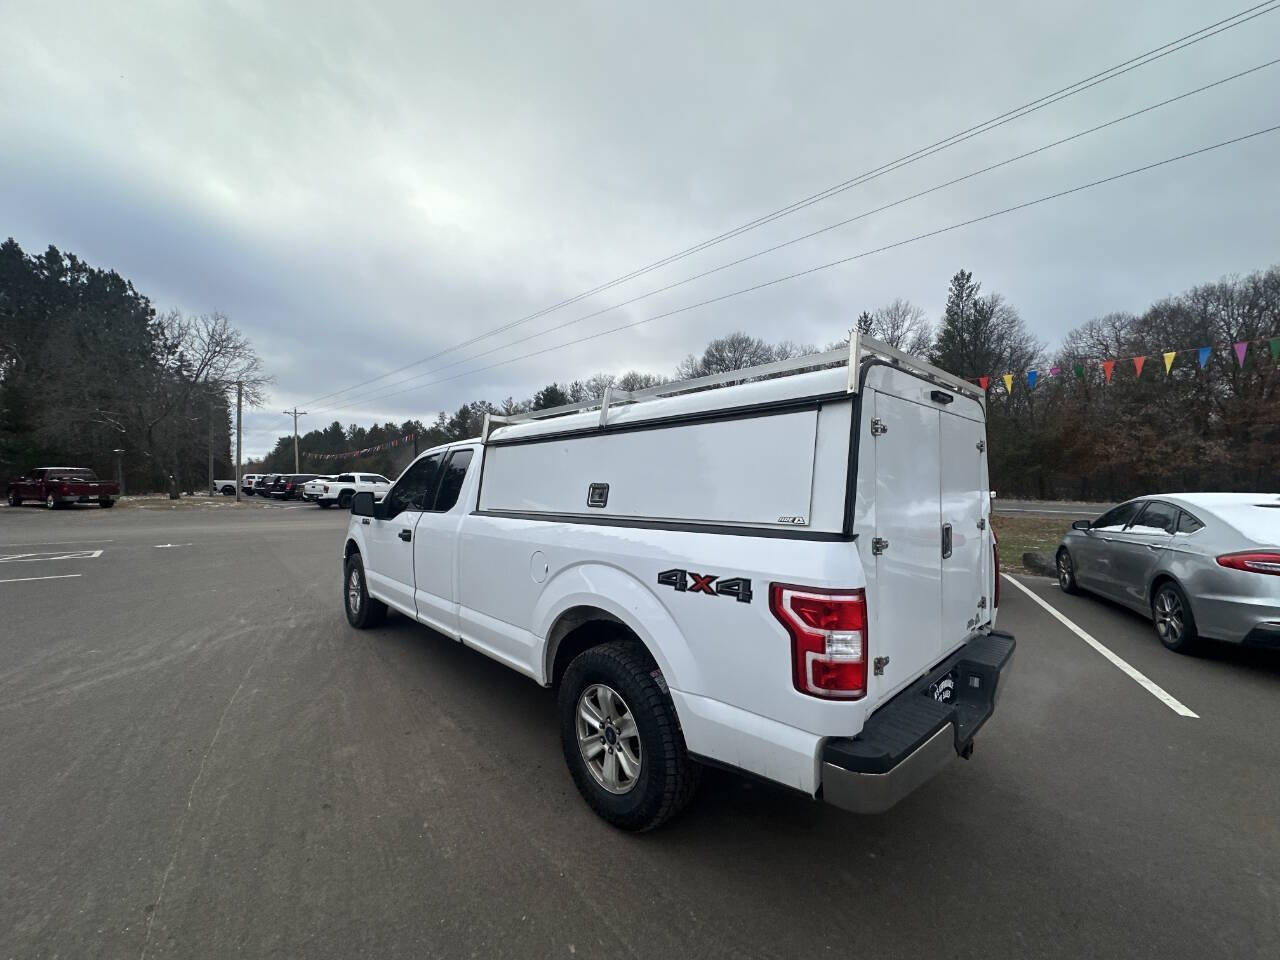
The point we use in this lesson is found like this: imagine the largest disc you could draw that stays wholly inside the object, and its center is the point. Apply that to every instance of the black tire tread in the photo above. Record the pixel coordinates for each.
(372, 611)
(680, 776)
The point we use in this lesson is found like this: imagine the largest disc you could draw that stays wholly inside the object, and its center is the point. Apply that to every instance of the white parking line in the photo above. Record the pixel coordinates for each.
(61, 576)
(1137, 676)
(54, 555)
(54, 543)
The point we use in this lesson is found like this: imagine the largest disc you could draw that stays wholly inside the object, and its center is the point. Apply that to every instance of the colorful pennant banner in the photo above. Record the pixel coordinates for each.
(1240, 348)
(387, 445)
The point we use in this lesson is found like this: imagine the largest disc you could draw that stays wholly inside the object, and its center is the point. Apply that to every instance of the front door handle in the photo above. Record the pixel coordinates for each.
(946, 541)
(1155, 546)
(406, 535)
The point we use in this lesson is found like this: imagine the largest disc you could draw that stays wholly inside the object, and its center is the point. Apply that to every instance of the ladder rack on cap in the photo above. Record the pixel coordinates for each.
(860, 348)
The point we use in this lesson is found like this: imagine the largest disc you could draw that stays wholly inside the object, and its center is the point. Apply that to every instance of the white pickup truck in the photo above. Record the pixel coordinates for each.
(793, 575)
(326, 491)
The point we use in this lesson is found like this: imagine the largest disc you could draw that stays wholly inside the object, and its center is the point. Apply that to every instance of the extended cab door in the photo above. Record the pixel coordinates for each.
(389, 536)
(435, 546)
(964, 537)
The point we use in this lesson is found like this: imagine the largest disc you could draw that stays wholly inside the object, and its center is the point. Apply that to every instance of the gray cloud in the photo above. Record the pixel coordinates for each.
(359, 188)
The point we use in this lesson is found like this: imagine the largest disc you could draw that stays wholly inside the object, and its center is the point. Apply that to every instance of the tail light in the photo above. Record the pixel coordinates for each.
(326, 488)
(1256, 561)
(828, 631)
(995, 556)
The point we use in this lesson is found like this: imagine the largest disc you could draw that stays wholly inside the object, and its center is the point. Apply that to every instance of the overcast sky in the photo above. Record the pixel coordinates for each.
(359, 186)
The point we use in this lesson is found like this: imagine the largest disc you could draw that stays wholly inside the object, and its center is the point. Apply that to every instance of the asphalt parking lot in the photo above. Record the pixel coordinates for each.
(201, 759)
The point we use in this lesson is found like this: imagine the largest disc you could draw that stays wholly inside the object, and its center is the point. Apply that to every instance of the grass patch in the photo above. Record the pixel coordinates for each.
(1019, 535)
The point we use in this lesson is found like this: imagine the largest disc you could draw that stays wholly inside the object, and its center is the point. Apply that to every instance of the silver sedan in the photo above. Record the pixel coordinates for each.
(1200, 565)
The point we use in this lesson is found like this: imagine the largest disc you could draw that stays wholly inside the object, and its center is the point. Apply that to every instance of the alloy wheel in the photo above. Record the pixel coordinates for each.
(1170, 621)
(1064, 571)
(608, 738)
(353, 591)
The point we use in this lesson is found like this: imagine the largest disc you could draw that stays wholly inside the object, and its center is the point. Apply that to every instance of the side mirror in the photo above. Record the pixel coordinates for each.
(362, 504)
(1081, 525)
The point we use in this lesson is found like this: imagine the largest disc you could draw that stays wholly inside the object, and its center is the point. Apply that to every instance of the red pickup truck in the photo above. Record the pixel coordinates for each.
(55, 486)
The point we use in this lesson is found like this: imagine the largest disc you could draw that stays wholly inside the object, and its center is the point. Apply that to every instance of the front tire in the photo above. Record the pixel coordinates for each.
(14, 500)
(50, 502)
(1175, 624)
(1066, 572)
(344, 499)
(621, 737)
(106, 503)
(363, 611)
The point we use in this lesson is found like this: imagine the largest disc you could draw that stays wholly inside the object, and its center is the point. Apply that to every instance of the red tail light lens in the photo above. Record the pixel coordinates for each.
(995, 555)
(326, 488)
(828, 631)
(1260, 561)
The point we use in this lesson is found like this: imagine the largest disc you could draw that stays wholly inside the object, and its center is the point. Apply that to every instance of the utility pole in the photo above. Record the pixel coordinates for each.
(295, 413)
(209, 423)
(239, 401)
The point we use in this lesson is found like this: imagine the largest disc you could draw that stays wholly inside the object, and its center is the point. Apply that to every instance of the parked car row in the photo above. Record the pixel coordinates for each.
(1200, 565)
(322, 490)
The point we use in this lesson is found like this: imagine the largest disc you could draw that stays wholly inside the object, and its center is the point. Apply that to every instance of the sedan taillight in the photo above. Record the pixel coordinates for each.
(1263, 561)
(828, 631)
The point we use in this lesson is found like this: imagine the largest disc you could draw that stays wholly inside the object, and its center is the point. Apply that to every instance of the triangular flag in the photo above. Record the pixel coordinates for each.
(1241, 348)
(1168, 359)
(1008, 382)
(1204, 356)
(982, 382)
(1137, 365)
(1078, 370)
(1054, 371)
(1031, 379)
(1107, 367)
(1275, 348)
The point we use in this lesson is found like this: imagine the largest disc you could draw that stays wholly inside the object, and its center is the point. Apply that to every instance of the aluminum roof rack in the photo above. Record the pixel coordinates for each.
(860, 348)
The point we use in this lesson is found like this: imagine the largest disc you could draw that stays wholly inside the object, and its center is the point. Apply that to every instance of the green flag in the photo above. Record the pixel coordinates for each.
(1079, 369)
(1275, 348)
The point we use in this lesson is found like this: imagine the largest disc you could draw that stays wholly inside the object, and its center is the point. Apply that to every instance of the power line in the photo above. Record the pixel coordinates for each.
(352, 402)
(857, 256)
(1156, 53)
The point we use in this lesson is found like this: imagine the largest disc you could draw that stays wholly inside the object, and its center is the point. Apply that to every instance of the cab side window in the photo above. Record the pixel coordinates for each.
(346, 478)
(451, 483)
(417, 484)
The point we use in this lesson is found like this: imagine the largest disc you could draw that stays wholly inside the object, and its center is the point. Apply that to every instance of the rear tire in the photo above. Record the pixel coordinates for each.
(50, 502)
(1066, 572)
(641, 720)
(14, 500)
(1174, 622)
(344, 499)
(363, 611)
(106, 503)
(324, 504)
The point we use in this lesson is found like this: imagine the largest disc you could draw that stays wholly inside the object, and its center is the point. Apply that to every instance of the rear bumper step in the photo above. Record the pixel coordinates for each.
(912, 737)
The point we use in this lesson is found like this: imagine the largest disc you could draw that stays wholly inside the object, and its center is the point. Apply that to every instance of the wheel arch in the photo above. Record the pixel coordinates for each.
(585, 605)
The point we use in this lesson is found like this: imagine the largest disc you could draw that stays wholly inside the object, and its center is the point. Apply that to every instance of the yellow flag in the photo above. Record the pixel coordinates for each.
(1008, 382)
(1168, 359)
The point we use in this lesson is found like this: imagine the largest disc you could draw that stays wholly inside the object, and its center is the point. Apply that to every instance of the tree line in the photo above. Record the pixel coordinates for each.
(88, 367)
(1069, 437)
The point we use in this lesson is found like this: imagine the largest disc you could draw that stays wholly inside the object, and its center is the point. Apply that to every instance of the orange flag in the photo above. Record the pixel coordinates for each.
(1168, 360)
(1137, 365)
(1107, 367)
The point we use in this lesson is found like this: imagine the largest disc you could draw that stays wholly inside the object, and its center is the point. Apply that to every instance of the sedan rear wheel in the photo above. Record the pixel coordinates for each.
(1175, 625)
(50, 502)
(14, 499)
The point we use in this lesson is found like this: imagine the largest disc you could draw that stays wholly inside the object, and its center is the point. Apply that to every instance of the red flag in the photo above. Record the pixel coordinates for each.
(982, 382)
(1107, 367)
(1137, 365)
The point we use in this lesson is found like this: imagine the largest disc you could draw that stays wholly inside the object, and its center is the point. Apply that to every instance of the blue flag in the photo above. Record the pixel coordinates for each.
(1204, 356)
(1031, 379)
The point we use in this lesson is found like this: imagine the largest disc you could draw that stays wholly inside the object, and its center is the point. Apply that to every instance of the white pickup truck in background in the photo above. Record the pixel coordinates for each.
(340, 489)
(794, 575)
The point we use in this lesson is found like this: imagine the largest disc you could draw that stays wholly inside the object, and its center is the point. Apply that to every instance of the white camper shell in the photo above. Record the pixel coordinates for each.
(801, 552)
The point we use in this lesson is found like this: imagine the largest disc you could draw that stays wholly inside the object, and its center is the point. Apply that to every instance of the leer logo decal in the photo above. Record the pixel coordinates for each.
(686, 581)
